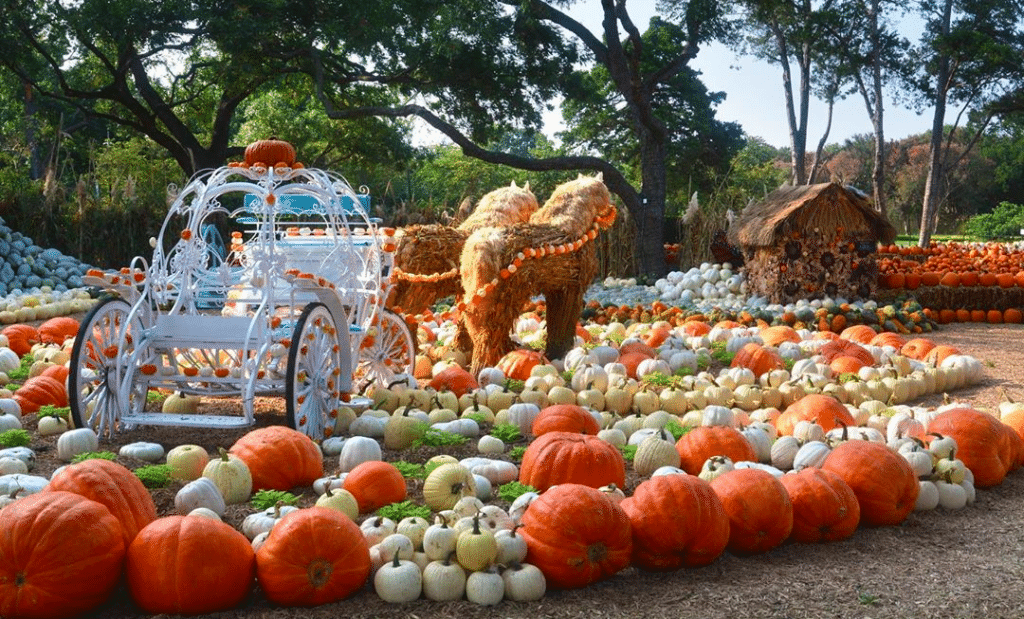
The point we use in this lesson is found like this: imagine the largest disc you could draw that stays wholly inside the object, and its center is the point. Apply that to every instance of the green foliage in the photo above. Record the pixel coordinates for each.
(94, 455)
(628, 452)
(1004, 222)
(403, 509)
(410, 469)
(15, 438)
(720, 354)
(438, 438)
(154, 475)
(513, 384)
(265, 499)
(658, 379)
(507, 432)
(513, 490)
(429, 468)
(49, 410)
(516, 453)
(155, 396)
(479, 418)
(20, 374)
(677, 430)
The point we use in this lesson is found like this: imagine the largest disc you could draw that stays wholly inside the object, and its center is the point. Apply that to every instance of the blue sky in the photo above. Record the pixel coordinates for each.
(754, 95)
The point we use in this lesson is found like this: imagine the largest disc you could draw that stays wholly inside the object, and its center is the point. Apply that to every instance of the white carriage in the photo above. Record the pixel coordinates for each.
(294, 308)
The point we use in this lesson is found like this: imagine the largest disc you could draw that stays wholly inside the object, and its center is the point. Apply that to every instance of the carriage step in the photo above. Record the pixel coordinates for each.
(192, 421)
(208, 331)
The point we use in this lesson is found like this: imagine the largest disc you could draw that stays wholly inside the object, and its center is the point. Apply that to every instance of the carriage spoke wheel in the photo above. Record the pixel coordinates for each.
(312, 388)
(98, 367)
(385, 352)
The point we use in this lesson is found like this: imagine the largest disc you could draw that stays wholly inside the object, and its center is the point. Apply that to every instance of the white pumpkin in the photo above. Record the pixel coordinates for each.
(444, 580)
(377, 528)
(201, 492)
(356, 450)
(187, 461)
(9, 422)
(811, 455)
(147, 452)
(523, 582)
(9, 465)
(485, 587)
(341, 500)
(232, 477)
(398, 581)
(264, 521)
(52, 424)
(77, 441)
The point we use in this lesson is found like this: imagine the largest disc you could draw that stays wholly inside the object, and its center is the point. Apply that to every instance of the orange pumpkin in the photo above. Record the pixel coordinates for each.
(860, 334)
(757, 359)
(980, 441)
(702, 442)
(279, 458)
(773, 336)
(564, 418)
(937, 354)
(315, 556)
(577, 535)
(455, 379)
(917, 348)
(40, 391)
(888, 338)
(189, 565)
(825, 508)
(678, 521)
(759, 509)
(885, 485)
(846, 365)
(270, 152)
(20, 338)
(375, 484)
(845, 348)
(631, 361)
(571, 458)
(60, 555)
(113, 486)
(823, 410)
(519, 363)
(57, 330)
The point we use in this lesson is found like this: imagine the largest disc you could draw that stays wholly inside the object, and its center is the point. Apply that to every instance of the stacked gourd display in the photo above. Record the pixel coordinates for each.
(740, 438)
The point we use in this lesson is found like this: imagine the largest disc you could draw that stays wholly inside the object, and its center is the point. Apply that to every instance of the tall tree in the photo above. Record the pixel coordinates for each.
(971, 57)
(525, 37)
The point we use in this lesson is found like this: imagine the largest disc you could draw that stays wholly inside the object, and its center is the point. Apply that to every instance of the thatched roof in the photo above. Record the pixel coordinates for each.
(826, 206)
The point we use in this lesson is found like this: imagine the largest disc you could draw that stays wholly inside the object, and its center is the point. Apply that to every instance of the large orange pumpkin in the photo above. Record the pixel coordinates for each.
(58, 329)
(564, 418)
(455, 379)
(702, 442)
(861, 334)
(885, 485)
(825, 508)
(113, 486)
(845, 348)
(773, 336)
(519, 363)
(760, 512)
(980, 442)
(190, 565)
(678, 521)
(757, 359)
(61, 555)
(279, 458)
(375, 484)
(823, 410)
(40, 391)
(917, 348)
(577, 535)
(20, 338)
(270, 152)
(313, 556)
(571, 458)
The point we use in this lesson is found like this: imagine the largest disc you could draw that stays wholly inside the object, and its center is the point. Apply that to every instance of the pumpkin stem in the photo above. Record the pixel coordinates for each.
(476, 524)
(223, 453)
(395, 562)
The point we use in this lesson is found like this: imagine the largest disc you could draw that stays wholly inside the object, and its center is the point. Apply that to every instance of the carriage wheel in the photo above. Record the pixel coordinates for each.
(388, 352)
(98, 367)
(312, 393)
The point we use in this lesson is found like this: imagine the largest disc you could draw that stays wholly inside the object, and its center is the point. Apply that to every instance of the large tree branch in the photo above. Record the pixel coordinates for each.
(543, 10)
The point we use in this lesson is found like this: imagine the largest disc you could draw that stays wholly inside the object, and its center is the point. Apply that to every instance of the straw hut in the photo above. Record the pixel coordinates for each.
(811, 241)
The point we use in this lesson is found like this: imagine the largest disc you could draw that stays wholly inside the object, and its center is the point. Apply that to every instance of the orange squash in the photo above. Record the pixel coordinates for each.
(759, 509)
(885, 485)
(20, 338)
(279, 458)
(825, 508)
(757, 359)
(823, 410)
(455, 379)
(702, 442)
(564, 418)
(569, 458)
(519, 363)
(375, 484)
(58, 329)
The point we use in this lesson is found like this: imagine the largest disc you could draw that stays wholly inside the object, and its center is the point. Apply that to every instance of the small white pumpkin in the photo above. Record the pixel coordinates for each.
(398, 581)
(204, 512)
(52, 424)
(77, 441)
(264, 521)
(9, 422)
(341, 500)
(446, 485)
(9, 465)
(187, 461)
(485, 587)
(332, 446)
(232, 477)
(201, 492)
(397, 543)
(520, 505)
(523, 582)
(377, 528)
(444, 580)
(330, 482)
(22, 454)
(148, 452)
(489, 445)
(439, 541)
(356, 450)
(512, 547)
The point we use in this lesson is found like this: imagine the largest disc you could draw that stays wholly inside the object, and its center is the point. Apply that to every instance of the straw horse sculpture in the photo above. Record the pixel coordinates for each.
(427, 257)
(551, 255)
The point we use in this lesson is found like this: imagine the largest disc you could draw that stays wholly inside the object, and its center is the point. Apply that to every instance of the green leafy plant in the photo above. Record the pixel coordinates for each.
(429, 467)
(658, 379)
(154, 396)
(479, 418)
(265, 499)
(438, 438)
(49, 410)
(512, 490)
(677, 430)
(404, 509)
(154, 475)
(21, 373)
(507, 432)
(516, 453)
(15, 438)
(628, 452)
(410, 469)
(94, 455)
(720, 354)
(514, 384)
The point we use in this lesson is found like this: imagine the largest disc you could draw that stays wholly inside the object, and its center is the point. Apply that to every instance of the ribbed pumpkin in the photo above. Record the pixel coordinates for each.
(823, 410)
(455, 379)
(760, 512)
(888, 338)
(564, 418)
(113, 486)
(270, 152)
(773, 336)
(571, 458)
(917, 348)
(20, 338)
(700, 443)
(678, 521)
(519, 363)
(189, 565)
(757, 359)
(61, 555)
(576, 535)
(883, 481)
(40, 391)
(860, 334)
(375, 484)
(279, 458)
(825, 508)
(845, 348)
(981, 443)
(58, 329)
(313, 556)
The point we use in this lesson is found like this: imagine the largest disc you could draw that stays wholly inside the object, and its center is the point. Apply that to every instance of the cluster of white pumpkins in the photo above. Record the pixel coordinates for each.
(43, 303)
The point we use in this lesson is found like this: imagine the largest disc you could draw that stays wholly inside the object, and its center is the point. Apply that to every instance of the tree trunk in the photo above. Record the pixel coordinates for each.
(649, 214)
(877, 116)
(35, 159)
(933, 188)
